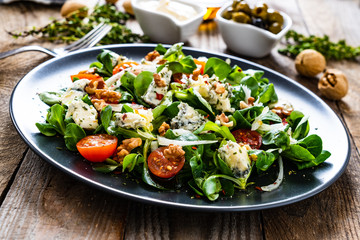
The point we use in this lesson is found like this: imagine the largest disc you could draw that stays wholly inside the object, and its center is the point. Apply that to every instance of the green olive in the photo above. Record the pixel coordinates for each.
(275, 16)
(275, 27)
(228, 13)
(243, 7)
(235, 3)
(241, 17)
(260, 10)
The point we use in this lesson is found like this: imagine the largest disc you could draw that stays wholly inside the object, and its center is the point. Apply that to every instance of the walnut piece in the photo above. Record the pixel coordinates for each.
(243, 105)
(95, 84)
(131, 143)
(109, 96)
(159, 81)
(126, 147)
(282, 108)
(333, 84)
(121, 155)
(250, 103)
(310, 62)
(219, 88)
(163, 128)
(224, 120)
(161, 61)
(99, 104)
(174, 152)
(177, 77)
(152, 55)
(281, 112)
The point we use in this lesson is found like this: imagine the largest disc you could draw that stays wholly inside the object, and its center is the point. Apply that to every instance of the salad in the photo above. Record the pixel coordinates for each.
(178, 122)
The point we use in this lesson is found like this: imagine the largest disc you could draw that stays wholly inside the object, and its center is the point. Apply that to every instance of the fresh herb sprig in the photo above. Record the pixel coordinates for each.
(297, 42)
(76, 26)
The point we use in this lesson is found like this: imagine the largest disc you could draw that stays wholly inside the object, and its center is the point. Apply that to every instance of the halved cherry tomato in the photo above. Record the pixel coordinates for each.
(97, 148)
(123, 66)
(247, 136)
(162, 167)
(197, 62)
(84, 76)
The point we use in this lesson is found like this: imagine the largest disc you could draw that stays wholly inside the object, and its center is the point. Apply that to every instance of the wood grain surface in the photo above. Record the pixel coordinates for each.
(39, 201)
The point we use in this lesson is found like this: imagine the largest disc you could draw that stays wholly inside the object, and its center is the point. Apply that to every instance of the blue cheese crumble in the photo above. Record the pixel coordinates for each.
(221, 100)
(153, 91)
(187, 118)
(216, 93)
(236, 157)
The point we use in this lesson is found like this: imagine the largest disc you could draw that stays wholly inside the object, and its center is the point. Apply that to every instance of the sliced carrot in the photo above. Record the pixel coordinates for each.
(84, 76)
(197, 62)
(123, 66)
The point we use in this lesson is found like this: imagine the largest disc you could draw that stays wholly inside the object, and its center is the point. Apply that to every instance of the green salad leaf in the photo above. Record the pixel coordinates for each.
(207, 123)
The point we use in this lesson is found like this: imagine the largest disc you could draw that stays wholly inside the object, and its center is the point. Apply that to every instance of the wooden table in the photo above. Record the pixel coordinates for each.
(39, 201)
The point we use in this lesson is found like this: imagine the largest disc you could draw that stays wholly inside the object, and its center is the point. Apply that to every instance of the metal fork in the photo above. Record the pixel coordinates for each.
(89, 40)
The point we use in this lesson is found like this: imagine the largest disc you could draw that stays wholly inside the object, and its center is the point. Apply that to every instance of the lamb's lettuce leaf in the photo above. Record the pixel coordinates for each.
(50, 98)
(107, 60)
(195, 100)
(218, 67)
(73, 134)
(222, 131)
(55, 117)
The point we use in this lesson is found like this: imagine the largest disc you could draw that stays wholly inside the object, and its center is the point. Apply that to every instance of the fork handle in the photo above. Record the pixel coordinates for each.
(25, 49)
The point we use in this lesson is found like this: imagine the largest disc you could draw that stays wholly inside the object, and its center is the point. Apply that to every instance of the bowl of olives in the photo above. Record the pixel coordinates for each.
(251, 30)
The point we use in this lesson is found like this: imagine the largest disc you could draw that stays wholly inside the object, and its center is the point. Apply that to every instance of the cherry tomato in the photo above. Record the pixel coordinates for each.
(247, 136)
(123, 65)
(162, 167)
(97, 148)
(84, 76)
(197, 62)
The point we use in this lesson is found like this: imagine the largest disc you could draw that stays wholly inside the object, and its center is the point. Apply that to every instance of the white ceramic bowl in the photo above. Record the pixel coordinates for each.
(164, 28)
(248, 40)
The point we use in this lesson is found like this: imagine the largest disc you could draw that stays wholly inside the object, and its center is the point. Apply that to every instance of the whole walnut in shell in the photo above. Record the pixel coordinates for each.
(128, 7)
(310, 62)
(333, 84)
(71, 6)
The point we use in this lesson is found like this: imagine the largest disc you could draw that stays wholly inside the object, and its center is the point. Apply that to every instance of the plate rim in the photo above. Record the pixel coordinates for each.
(159, 202)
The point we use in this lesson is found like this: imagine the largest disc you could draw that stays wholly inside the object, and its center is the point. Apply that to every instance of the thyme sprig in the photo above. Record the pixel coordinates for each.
(297, 42)
(76, 26)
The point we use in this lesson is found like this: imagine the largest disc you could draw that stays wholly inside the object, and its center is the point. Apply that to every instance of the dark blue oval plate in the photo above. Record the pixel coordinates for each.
(26, 109)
